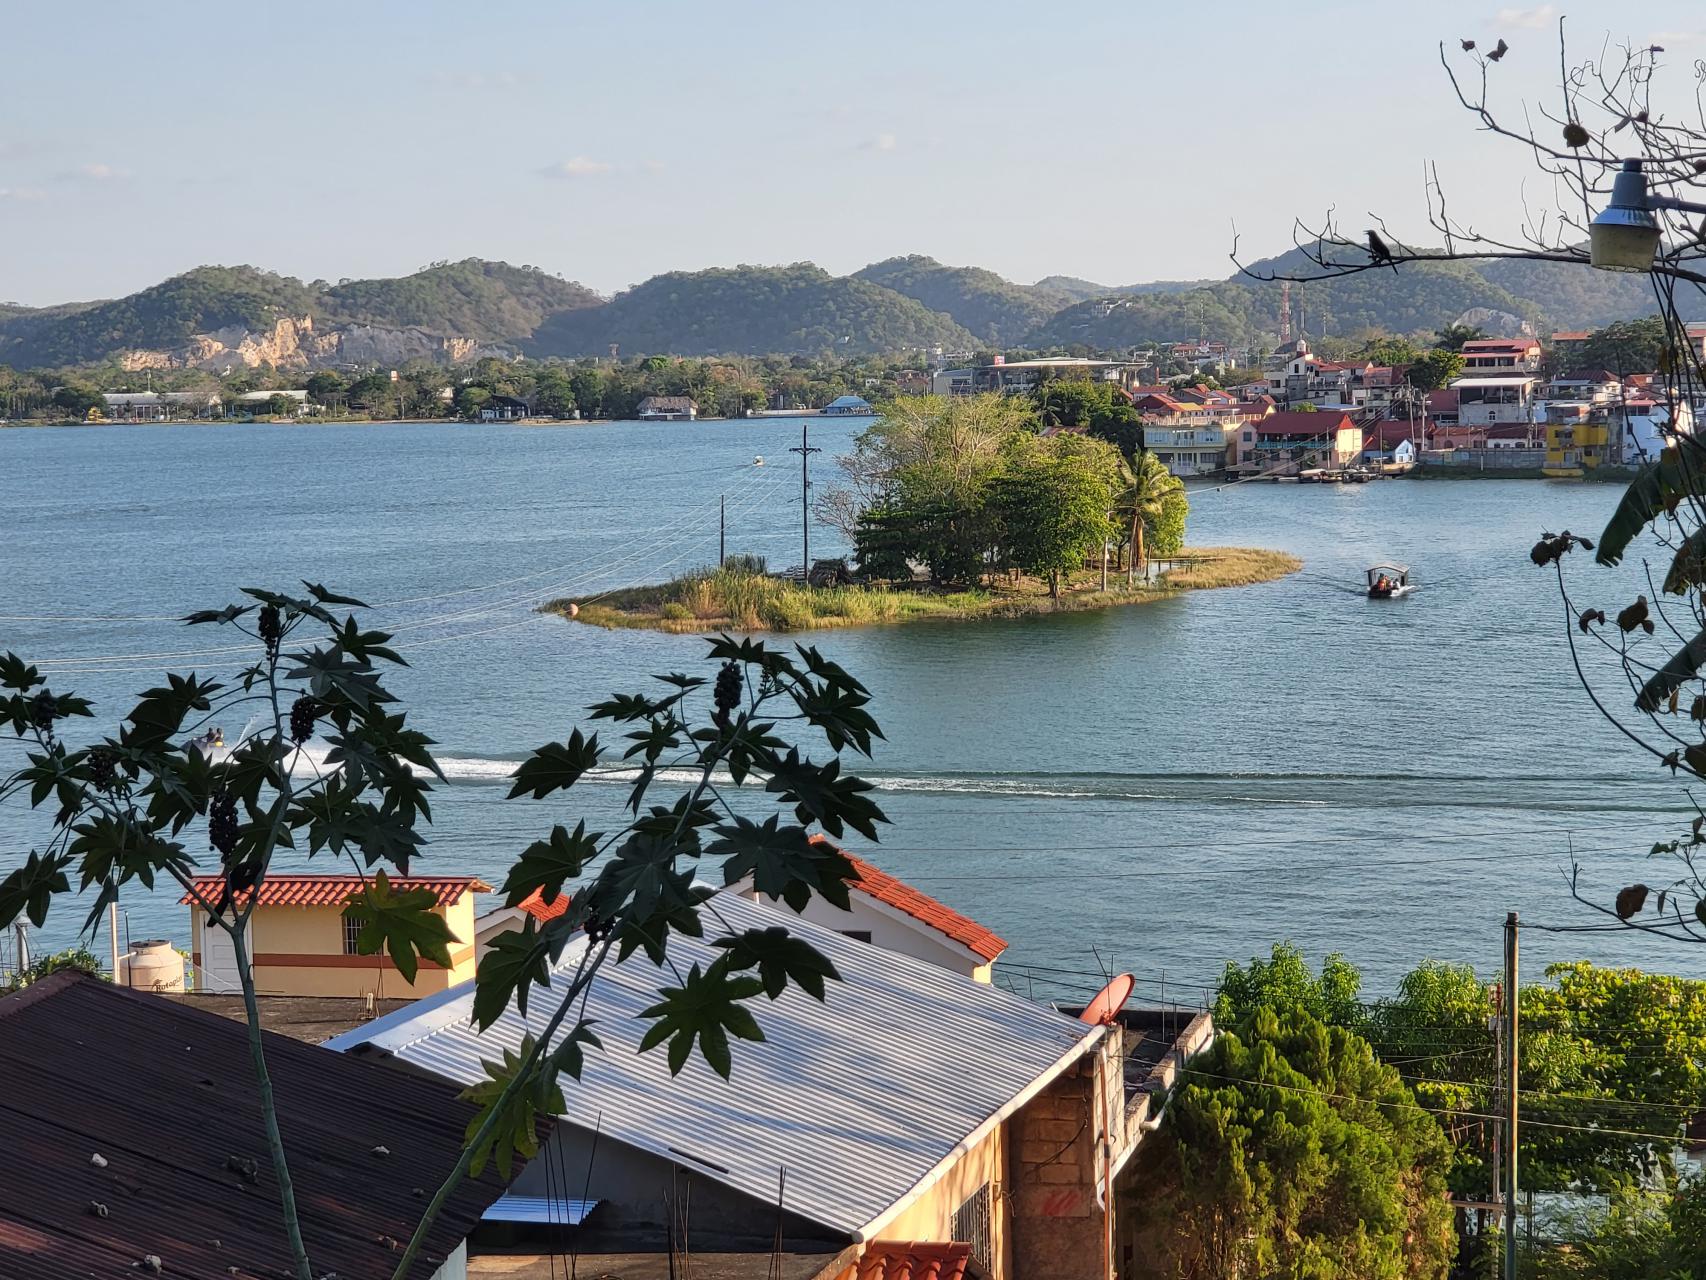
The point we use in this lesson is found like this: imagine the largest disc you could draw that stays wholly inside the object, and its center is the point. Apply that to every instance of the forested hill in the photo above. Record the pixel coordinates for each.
(472, 301)
(794, 310)
(997, 311)
(215, 317)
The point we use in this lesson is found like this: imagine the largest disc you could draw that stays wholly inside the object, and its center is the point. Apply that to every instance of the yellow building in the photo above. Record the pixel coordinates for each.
(300, 943)
(1573, 448)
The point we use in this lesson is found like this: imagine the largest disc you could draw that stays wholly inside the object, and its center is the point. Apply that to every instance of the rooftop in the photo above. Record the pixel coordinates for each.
(863, 1097)
(334, 891)
(93, 1069)
(880, 885)
(310, 1019)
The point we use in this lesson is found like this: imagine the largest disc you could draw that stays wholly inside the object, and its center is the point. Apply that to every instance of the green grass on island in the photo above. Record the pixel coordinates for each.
(743, 600)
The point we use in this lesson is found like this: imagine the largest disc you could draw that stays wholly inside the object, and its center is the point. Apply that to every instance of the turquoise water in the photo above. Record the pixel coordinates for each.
(1158, 788)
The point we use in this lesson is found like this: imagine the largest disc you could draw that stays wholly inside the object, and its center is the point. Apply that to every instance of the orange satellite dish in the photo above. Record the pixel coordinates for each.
(1109, 1001)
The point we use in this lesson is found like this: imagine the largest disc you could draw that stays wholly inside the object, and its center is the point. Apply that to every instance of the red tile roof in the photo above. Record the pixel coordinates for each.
(334, 891)
(1570, 335)
(922, 907)
(536, 906)
(1298, 422)
(892, 1260)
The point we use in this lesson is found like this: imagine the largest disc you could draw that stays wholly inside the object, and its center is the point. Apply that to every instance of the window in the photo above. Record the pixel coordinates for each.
(971, 1225)
(858, 935)
(352, 931)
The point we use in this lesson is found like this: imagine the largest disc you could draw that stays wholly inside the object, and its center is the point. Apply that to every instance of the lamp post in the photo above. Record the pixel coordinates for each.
(1625, 235)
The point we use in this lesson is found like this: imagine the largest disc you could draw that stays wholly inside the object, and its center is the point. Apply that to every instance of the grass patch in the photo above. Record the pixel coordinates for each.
(742, 600)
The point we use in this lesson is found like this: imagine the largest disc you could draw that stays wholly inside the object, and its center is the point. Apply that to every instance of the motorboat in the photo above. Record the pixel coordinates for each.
(1389, 582)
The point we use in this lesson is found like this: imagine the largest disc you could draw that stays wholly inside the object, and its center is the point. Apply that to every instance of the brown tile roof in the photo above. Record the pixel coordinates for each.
(1300, 422)
(922, 907)
(334, 891)
(891, 1260)
(536, 906)
(165, 1095)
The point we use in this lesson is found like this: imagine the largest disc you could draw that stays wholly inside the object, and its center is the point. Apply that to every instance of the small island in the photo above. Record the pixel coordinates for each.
(742, 599)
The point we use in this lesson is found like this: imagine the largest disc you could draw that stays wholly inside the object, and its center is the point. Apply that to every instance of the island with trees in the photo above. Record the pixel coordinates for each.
(966, 507)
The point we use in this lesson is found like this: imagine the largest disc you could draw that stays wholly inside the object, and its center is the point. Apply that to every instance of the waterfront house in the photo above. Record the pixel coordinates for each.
(158, 406)
(848, 407)
(1575, 447)
(505, 409)
(133, 1132)
(1287, 442)
(1501, 355)
(912, 1107)
(668, 409)
(300, 942)
(1305, 378)
(889, 913)
(952, 382)
(1495, 398)
(1189, 449)
(289, 404)
(1641, 426)
(1390, 441)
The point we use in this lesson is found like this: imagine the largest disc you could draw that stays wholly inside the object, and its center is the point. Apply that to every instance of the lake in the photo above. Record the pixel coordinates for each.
(1157, 788)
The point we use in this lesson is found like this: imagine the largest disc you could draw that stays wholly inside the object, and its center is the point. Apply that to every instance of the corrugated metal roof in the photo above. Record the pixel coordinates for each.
(859, 1098)
(165, 1094)
(333, 891)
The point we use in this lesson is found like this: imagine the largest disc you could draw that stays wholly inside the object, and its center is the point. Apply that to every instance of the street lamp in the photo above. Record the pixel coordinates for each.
(1625, 235)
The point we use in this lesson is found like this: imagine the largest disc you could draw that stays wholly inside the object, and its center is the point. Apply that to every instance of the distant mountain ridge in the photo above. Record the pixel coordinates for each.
(218, 317)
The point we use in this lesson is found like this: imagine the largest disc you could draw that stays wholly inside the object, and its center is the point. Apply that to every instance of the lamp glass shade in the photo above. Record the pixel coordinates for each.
(1619, 242)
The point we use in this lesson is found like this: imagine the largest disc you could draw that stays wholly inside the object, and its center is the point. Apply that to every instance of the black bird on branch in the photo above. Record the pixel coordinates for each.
(1380, 251)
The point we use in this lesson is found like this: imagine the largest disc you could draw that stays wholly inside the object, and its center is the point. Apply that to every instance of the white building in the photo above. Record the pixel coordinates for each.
(1198, 450)
(158, 406)
(262, 401)
(1495, 399)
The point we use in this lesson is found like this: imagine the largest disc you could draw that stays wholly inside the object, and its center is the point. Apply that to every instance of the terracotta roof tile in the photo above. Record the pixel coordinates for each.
(891, 1260)
(922, 907)
(536, 906)
(334, 891)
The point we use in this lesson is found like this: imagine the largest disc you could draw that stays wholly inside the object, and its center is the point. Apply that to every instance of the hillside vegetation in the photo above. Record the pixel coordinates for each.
(997, 311)
(894, 307)
(793, 310)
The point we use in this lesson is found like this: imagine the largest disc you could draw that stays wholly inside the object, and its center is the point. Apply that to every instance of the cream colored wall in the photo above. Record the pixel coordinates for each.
(891, 930)
(931, 1217)
(277, 932)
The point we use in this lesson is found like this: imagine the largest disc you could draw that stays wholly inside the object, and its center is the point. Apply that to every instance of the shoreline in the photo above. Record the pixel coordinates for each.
(786, 606)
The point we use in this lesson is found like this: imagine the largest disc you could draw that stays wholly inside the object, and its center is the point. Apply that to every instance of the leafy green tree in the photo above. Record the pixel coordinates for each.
(1100, 408)
(142, 802)
(587, 387)
(1166, 532)
(1284, 983)
(1290, 1150)
(1626, 346)
(81, 959)
(1052, 503)
(554, 394)
(76, 399)
(281, 406)
(324, 386)
(470, 400)
(1390, 351)
(1434, 370)
(1453, 336)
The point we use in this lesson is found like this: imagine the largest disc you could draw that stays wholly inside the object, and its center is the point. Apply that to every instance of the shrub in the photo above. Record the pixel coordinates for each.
(675, 611)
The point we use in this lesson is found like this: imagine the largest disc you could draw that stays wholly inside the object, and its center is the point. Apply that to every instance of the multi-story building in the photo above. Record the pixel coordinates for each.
(1501, 355)
(1495, 398)
(1572, 448)
(1293, 441)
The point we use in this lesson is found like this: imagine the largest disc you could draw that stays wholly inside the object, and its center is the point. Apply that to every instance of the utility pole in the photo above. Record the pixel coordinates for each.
(805, 450)
(1511, 1095)
(722, 531)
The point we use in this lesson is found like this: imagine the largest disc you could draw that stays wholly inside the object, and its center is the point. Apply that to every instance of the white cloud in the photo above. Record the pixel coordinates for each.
(577, 167)
(882, 142)
(94, 173)
(1527, 19)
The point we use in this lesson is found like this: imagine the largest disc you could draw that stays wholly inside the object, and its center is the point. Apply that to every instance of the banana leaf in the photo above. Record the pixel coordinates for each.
(1683, 666)
(1688, 567)
(1655, 487)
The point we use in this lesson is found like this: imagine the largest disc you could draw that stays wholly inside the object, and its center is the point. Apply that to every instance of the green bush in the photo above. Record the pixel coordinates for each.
(675, 611)
(74, 958)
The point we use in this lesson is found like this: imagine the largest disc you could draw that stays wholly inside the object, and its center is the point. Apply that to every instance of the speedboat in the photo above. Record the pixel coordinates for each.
(1389, 582)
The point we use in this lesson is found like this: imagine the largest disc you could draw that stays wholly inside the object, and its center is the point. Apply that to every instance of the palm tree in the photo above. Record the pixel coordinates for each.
(1144, 486)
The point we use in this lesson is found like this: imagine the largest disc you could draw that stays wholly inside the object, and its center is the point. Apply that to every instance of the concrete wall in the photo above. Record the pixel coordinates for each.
(1058, 1226)
(931, 1217)
(299, 951)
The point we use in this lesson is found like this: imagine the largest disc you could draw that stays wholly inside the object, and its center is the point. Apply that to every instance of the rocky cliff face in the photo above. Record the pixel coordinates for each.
(295, 344)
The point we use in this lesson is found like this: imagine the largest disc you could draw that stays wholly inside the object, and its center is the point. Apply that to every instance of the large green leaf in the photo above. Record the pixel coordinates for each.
(780, 958)
(1688, 566)
(705, 1007)
(516, 961)
(404, 924)
(31, 887)
(555, 766)
(545, 865)
(517, 1108)
(1655, 489)
(1683, 666)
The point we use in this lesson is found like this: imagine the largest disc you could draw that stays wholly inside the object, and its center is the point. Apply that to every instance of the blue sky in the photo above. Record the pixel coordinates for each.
(608, 142)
